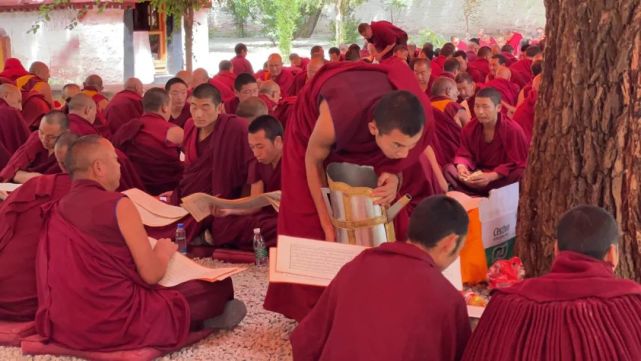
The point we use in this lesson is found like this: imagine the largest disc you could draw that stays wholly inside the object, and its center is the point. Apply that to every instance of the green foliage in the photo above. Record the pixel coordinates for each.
(395, 7)
(279, 18)
(428, 36)
(177, 7)
(349, 31)
(242, 11)
(346, 25)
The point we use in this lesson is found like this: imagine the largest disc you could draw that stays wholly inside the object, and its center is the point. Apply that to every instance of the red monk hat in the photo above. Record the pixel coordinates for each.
(13, 69)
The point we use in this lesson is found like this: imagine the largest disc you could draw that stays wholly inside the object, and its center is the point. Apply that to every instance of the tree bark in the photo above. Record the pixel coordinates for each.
(188, 21)
(340, 37)
(586, 147)
(308, 24)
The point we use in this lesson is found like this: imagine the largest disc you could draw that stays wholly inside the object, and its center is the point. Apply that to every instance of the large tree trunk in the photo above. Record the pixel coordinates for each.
(188, 22)
(308, 25)
(587, 138)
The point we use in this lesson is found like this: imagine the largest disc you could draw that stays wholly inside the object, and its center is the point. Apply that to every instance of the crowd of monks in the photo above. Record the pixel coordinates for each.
(76, 258)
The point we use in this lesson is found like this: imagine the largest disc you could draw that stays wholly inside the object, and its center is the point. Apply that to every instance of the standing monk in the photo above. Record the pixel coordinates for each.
(114, 302)
(125, 105)
(245, 86)
(239, 62)
(13, 130)
(177, 90)
(384, 36)
(22, 221)
(382, 125)
(36, 157)
(283, 77)
(152, 144)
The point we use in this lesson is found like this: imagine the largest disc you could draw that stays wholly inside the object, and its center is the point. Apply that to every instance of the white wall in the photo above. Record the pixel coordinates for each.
(94, 46)
(201, 42)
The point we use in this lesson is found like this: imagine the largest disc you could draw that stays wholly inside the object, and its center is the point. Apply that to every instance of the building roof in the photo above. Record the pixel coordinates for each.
(34, 5)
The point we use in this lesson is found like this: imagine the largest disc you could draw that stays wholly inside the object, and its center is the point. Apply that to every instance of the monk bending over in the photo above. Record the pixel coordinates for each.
(578, 311)
(383, 36)
(493, 151)
(22, 221)
(36, 156)
(266, 142)
(94, 237)
(368, 312)
(152, 144)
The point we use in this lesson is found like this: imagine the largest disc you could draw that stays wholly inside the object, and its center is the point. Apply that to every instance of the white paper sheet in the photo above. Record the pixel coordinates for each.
(9, 187)
(199, 204)
(153, 205)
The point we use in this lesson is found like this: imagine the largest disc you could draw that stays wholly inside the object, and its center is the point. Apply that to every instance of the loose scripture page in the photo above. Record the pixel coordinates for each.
(311, 258)
(153, 205)
(182, 269)
(283, 277)
(199, 204)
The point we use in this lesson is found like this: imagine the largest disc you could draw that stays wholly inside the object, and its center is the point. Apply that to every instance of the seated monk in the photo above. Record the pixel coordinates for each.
(462, 58)
(245, 86)
(252, 108)
(580, 310)
(35, 80)
(383, 36)
(467, 92)
(215, 147)
(20, 228)
(95, 236)
(92, 87)
(240, 62)
(200, 76)
(185, 75)
(423, 73)
(509, 91)
(152, 144)
(537, 68)
(317, 51)
(334, 54)
(524, 114)
(304, 77)
(125, 105)
(35, 104)
(270, 92)
(497, 61)
(13, 130)
(492, 146)
(451, 68)
(68, 91)
(446, 52)
(234, 227)
(298, 63)
(226, 74)
(36, 157)
(522, 69)
(481, 64)
(13, 69)
(450, 117)
(351, 320)
(177, 90)
(283, 77)
(337, 122)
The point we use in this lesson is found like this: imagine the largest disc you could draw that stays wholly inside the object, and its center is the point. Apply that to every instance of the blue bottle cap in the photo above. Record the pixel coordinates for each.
(181, 225)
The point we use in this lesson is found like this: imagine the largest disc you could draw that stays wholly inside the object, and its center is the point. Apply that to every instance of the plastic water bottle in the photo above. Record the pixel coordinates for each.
(259, 248)
(181, 238)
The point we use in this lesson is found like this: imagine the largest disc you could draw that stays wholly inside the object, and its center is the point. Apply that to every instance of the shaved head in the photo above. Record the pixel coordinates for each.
(251, 108)
(61, 148)
(83, 106)
(69, 90)
(12, 95)
(41, 70)
(184, 75)
(313, 67)
(443, 86)
(198, 77)
(271, 89)
(52, 125)
(503, 73)
(94, 157)
(275, 64)
(93, 81)
(134, 85)
(225, 66)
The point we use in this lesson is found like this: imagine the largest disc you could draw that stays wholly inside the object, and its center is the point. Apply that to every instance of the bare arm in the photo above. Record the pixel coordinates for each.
(256, 189)
(22, 176)
(386, 50)
(151, 263)
(436, 168)
(176, 135)
(318, 149)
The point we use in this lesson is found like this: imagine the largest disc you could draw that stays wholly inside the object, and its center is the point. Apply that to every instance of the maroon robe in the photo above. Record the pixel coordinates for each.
(236, 231)
(19, 233)
(509, 91)
(509, 58)
(482, 66)
(476, 75)
(241, 65)
(522, 72)
(384, 34)
(299, 82)
(100, 123)
(225, 92)
(87, 281)
(449, 136)
(30, 157)
(578, 311)
(124, 106)
(524, 115)
(34, 107)
(370, 313)
(182, 118)
(285, 80)
(506, 154)
(226, 78)
(13, 69)
(155, 159)
(13, 129)
(439, 60)
(351, 111)
(271, 105)
(285, 110)
(4, 156)
(232, 105)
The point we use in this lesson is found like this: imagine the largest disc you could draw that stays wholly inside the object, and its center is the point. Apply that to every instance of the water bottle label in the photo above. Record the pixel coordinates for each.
(261, 253)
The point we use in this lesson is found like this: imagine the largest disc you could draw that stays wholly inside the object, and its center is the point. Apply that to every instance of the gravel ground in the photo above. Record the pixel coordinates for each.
(261, 336)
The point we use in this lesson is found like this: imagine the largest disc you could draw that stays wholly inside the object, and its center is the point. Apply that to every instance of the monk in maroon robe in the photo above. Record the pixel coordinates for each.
(303, 78)
(4, 156)
(13, 130)
(580, 310)
(114, 269)
(226, 74)
(354, 137)
(240, 62)
(450, 117)
(125, 105)
(447, 51)
(481, 64)
(384, 36)
(13, 69)
(252, 108)
(270, 92)
(352, 320)
(423, 73)
(522, 69)
(524, 114)
(152, 144)
(177, 90)
(467, 92)
(491, 144)
(283, 77)
(36, 157)
(92, 87)
(19, 233)
(245, 86)
(509, 91)
(298, 63)
(285, 109)
(34, 107)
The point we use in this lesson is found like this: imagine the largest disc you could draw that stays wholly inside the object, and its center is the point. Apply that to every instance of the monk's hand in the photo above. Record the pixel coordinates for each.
(165, 248)
(387, 188)
(3, 195)
(463, 172)
(166, 195)
(483, 179)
